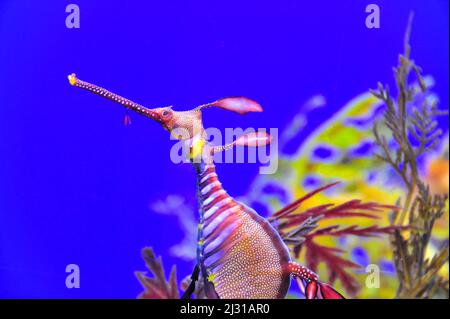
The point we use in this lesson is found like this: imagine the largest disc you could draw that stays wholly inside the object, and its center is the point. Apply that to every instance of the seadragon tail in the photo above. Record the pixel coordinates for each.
(309, 283)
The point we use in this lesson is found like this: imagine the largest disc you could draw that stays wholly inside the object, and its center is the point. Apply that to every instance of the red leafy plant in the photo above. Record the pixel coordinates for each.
(157, 287)
(299, 229)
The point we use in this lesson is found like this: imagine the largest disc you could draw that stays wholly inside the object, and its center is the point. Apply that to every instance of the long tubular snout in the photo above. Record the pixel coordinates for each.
(114, 97)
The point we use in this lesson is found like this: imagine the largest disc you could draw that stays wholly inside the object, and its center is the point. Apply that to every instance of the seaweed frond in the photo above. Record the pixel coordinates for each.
(338, 267)
(157, 287)
(371, 231)
(299, 229)
(414, 132)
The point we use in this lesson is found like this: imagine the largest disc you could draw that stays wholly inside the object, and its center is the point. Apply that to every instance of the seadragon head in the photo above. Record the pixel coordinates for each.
(187, 125)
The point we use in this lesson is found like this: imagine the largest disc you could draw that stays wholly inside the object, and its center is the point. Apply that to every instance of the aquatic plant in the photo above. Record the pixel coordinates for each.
(177, 206)
(157, 287)
(414, 132)
(299, 229)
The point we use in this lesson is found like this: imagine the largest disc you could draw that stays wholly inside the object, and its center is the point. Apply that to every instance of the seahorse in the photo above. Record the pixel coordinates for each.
(239, 253)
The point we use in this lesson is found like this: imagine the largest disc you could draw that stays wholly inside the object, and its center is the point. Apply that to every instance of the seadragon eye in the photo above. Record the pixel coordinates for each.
(166, 115)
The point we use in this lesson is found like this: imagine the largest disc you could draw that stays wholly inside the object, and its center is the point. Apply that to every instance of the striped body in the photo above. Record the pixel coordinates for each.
(239, 253)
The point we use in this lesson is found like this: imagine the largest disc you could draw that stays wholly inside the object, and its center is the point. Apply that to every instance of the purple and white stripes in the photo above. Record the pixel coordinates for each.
(218, 218)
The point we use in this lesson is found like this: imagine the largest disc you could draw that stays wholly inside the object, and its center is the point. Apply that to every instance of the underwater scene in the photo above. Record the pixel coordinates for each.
(224, 149)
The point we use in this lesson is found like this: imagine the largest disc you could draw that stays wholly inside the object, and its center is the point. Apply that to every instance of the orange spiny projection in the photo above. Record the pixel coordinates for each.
(239, 253)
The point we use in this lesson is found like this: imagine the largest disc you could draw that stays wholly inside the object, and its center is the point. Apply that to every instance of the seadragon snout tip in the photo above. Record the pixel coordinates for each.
(72, 78)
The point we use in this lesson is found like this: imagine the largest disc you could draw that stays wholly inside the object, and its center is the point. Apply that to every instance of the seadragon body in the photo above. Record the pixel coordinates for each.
(239, 253)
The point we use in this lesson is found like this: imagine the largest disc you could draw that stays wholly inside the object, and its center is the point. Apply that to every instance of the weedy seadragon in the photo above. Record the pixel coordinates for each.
(239, 253)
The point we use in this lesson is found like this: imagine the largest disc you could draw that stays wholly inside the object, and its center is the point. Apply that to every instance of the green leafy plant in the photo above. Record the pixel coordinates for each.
(414, 132)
